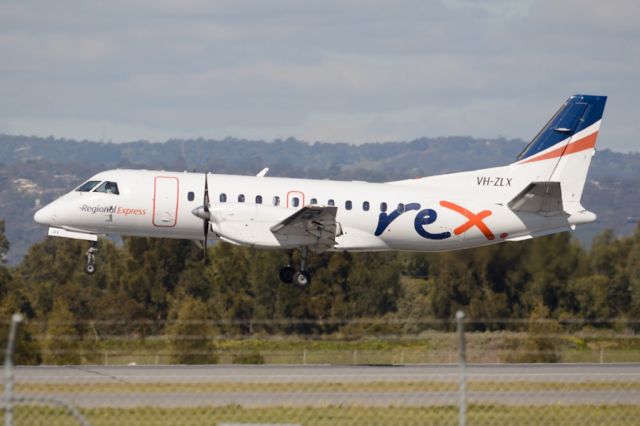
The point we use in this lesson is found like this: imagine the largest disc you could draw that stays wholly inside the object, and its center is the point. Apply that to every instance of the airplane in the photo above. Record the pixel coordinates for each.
(537, 194)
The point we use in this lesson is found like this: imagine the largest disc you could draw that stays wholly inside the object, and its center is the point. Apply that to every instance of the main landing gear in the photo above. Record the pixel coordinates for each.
(288, 273)
(90, 264)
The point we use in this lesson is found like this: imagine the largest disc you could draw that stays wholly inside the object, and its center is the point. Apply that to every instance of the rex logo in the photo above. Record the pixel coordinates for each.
(428, 216)
(472, 219)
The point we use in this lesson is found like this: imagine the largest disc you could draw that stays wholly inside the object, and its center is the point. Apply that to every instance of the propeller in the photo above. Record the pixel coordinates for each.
(203, 213)
(207, 218)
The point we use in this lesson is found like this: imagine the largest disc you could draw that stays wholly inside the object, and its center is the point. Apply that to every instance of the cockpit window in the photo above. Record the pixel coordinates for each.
(108, 188)
(88, 186)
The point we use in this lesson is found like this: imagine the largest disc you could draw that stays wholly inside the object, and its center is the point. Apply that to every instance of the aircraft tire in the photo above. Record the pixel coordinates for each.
(286, 274)
(89, 268)
(302, 279)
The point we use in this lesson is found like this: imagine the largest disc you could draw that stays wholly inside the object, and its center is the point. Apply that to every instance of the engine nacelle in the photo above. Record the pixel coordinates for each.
(248, 223)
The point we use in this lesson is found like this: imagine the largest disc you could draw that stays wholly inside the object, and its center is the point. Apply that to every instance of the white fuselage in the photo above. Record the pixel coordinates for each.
(430, 218)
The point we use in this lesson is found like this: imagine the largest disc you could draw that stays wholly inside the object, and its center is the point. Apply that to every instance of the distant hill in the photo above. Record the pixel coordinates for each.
(33, 170)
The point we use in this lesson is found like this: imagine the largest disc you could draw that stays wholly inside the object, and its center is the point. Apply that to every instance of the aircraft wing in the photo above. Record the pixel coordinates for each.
(313, 226)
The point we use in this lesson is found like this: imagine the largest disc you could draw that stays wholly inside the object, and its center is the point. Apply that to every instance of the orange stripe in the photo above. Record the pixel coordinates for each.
(584, 143)
(577, 146)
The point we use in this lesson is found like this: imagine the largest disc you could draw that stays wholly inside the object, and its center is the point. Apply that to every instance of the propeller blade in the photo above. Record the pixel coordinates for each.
(205, 220)
(204, 243)
(206, 193)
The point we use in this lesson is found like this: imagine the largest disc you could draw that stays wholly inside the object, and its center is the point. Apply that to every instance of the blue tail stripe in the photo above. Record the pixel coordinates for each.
(576, 114)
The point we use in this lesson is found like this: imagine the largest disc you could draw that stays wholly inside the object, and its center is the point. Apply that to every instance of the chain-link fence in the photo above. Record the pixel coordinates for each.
(549, 373)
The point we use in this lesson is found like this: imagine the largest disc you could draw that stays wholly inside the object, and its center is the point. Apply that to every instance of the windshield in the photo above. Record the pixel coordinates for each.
(88, 186)
(108, 187)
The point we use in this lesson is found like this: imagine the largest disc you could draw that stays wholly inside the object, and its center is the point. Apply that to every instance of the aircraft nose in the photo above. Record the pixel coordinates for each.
(45, 215)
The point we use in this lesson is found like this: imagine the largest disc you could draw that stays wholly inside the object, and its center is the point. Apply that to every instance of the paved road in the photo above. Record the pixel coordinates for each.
(628, 392)
(291, 373)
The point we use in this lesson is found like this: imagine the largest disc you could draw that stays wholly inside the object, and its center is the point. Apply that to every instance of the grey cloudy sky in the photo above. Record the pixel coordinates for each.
(329, 70)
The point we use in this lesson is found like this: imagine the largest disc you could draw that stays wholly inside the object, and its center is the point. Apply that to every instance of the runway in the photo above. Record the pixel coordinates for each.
(320, 385)
(289, 373)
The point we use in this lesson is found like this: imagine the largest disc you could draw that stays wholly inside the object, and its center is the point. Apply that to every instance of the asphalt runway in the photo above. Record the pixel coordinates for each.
(89, 389)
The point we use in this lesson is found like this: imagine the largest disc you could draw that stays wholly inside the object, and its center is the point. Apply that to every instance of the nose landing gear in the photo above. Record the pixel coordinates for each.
(288, 273)
(90, 265)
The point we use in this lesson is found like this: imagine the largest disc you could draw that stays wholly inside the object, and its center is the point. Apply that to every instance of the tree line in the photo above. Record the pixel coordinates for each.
(148, 286)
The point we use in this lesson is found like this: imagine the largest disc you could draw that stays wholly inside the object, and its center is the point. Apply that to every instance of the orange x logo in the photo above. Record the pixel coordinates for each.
(473, 219)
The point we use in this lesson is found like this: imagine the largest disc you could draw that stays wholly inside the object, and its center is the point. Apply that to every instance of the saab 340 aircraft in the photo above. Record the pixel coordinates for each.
(538, 194)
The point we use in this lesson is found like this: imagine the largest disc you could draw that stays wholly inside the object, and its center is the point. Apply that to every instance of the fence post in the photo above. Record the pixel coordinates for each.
(8, 370)
(462, 364)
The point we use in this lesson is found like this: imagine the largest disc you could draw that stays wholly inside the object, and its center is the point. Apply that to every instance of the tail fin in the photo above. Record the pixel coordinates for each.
(562, 150)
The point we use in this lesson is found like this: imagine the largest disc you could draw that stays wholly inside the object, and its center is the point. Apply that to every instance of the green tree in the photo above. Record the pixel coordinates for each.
(53, 269)
(541, 344)
(191, 334)
(115, 313)
(552, 262)
(231, 295)
(4, 243)
(373, 285)
(632, 275)
(60, 345)
(414, 306)
(605, 250)
(592, 296)
(153, 269)
(27, 347)
(608, 258)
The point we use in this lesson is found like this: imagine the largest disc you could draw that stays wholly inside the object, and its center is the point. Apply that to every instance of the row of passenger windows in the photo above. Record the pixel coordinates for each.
(295, 202)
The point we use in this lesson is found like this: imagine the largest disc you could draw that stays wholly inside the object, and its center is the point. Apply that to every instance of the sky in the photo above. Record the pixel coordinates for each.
(332, 70)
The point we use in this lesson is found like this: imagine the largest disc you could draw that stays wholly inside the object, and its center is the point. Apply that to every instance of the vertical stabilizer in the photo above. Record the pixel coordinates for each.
(562, 150)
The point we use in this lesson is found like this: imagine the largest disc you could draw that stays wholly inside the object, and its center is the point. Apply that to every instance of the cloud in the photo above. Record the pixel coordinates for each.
(617, 16)
(347, 70)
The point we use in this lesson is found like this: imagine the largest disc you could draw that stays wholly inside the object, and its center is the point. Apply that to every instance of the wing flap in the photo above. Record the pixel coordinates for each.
(314, 226)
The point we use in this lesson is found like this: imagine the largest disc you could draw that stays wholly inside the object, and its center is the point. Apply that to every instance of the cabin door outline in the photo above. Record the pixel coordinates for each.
(166, 192)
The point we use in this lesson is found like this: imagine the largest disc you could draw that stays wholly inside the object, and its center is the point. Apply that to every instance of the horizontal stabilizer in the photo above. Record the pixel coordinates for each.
(541, 233)
(539, 197)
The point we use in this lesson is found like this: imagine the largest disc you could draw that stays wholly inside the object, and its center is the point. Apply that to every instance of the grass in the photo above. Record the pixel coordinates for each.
(324, 386)
(432, 348)
(481, 415)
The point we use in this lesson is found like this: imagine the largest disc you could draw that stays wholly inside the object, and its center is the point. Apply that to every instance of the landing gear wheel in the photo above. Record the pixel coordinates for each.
(286, 274)
(89, 268)
(90, 264)
(302, 279)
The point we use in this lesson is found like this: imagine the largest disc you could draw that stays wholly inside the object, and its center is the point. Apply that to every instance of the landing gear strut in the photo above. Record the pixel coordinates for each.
(90, 264)
(288, 273)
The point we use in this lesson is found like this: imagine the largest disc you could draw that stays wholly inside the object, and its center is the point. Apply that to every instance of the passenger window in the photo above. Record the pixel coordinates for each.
(295, 201)
(241, 198)
(383, 207)
(348, 205)
(313, 201)
(331, 203)
(223, 198)
(276, 201)
(108, 188)
(400, 208)
(88, 186)
(365, 206)
(190, 196)
(258, 199)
